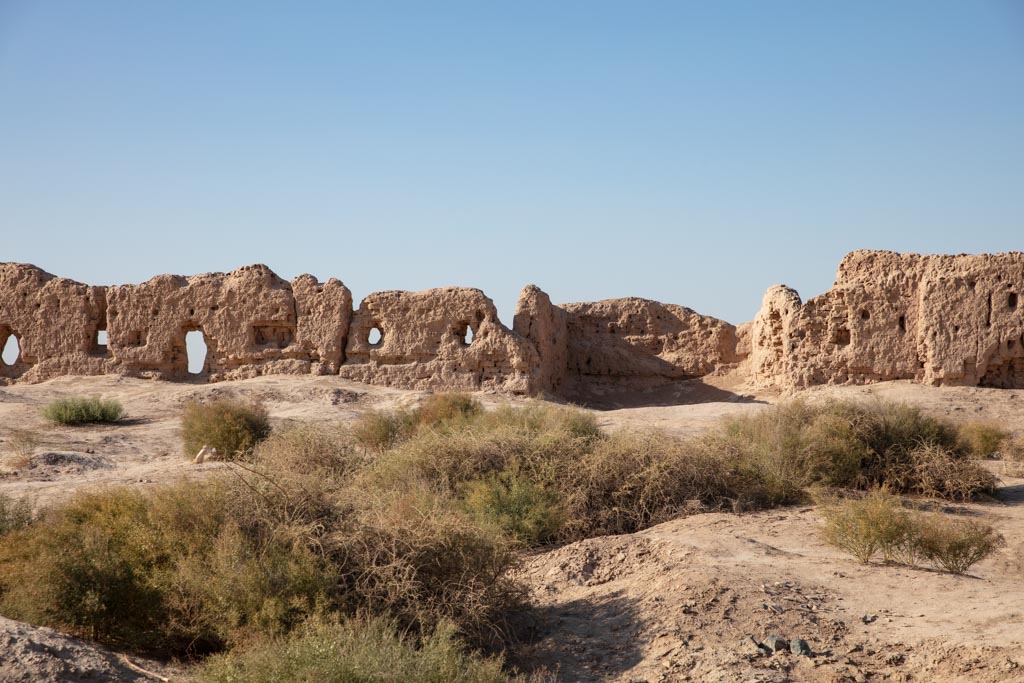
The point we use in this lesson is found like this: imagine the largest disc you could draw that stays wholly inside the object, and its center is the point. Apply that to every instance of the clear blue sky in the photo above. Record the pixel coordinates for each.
(691, 152)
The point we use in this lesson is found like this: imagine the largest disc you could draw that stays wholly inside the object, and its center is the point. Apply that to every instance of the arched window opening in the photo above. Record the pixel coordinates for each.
(195, 349)
(1011, 301)
(467, 338)
(376, 336)
(12, 350)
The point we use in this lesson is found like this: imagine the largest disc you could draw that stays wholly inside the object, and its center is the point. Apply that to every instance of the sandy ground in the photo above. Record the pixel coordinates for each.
(680, 601)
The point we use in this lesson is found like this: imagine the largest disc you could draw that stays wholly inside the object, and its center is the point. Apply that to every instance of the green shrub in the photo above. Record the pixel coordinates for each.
(982, 439)
(231, 426)
(879, 523)
(521, 507)
(79, 410)
(14, 514)
(353, 651)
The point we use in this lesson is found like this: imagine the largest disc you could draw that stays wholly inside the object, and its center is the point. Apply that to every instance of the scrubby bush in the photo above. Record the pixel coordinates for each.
(354, 651)
(779, 452)
(548, 474)
(379, 431)
(955, 544)
(864, 527)
(163, 571)
(521, 507)
(253, 552)
(231, 426)
(982, 439)
(14, 514)
(80, 410)
(878, 523)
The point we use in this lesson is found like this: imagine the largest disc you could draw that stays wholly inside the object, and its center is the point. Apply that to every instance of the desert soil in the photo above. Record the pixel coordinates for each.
(680, 601)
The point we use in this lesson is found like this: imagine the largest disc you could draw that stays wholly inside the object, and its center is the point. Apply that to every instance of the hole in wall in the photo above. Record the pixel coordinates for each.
(12, 350)
(903, 323)
(864, 315)
(195, 350)
(1011, 301)
(464, 333)
(376, 336)
(101, 338)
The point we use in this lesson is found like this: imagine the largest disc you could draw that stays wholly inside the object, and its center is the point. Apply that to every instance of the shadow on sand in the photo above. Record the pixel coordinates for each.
(581, 640)
(614, 393)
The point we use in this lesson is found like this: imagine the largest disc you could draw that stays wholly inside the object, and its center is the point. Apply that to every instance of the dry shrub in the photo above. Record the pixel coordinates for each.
(955, 544)
(778, 453)
(448, 407)
(380, 431)
(938, 472)
(21, 446)
(1013, 450)
(415, 556)
(79, 410)
(231, 426)
(982, 439)
(252, 552)
(878, 523)
(864, 527)
(165, 571)
(14, 514)
(370, 649)
(548, 474)
(633, 479)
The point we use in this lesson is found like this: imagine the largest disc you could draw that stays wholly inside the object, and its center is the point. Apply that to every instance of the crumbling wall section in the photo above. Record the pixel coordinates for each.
(640, 338)
(446, 338)
(942, 320)
(249, 319)
(55, 322)
(545, 326)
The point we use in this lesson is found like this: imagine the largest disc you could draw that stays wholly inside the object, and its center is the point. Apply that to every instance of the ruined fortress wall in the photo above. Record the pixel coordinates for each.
(249, 319)
(934, 319)
(942, 320)
(640, 338)
(55, 322)
(254, 322)
(447, 338)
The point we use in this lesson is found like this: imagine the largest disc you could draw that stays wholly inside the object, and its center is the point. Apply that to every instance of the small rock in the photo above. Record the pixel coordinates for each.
(860, 678)
(776, 643)
(799, 646)
(869, 618)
